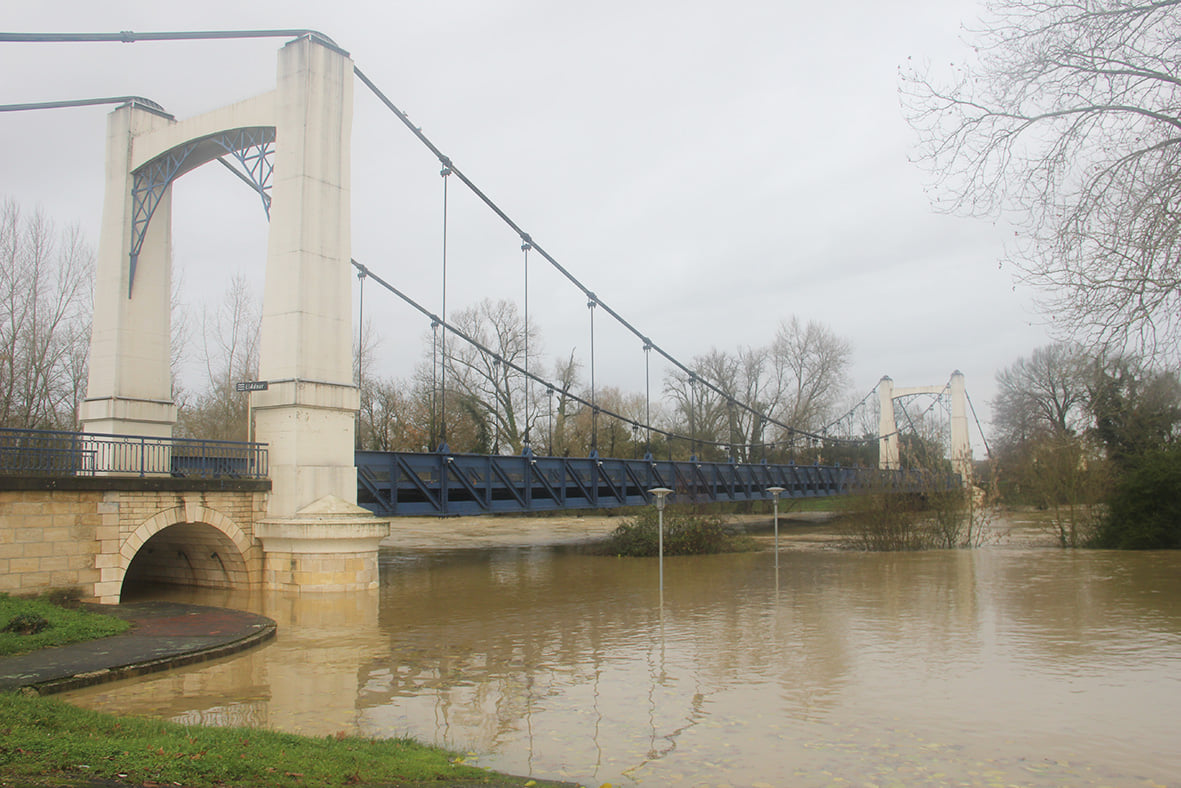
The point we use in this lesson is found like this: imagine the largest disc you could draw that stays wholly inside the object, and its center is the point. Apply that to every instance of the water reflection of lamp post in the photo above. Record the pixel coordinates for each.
(661, 493)
(775, 491)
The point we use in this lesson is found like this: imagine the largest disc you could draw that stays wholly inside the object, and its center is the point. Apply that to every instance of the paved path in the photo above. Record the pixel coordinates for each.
(162, 635)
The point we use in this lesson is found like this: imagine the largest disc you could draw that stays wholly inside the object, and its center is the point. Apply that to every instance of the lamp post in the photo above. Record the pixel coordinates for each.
(775, 491)
(661, 493)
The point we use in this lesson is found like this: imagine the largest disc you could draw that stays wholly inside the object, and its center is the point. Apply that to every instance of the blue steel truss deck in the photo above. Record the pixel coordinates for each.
(438, 484)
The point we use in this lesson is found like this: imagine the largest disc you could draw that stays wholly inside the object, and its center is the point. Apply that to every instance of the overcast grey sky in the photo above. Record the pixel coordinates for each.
(707, 169)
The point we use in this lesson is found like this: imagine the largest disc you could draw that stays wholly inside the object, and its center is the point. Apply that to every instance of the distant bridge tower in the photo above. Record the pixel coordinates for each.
(307, 413)
(961, 448)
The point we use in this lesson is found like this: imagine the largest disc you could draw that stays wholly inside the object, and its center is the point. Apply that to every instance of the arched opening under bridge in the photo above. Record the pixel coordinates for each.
(189, 555)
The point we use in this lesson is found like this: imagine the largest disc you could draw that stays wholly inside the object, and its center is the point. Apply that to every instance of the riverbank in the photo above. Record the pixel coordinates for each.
(798, 530)
(161, 636)
(482, 533)
(50, 743)
(435, 609)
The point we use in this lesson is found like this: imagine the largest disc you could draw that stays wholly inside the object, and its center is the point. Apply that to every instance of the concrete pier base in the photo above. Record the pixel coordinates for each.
(329, 545)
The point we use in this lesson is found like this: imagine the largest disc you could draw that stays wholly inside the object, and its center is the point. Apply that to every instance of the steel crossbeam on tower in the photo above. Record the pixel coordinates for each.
(252, 148)
(440, 484)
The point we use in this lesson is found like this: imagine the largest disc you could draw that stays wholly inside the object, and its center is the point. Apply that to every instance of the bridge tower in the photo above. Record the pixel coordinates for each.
(961, 447)
(307, 412)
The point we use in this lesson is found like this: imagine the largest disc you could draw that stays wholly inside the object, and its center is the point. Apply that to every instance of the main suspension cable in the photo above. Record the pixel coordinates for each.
(525, 246)
(135, 101)
(445, 172)
(497, 358)
(980, 429)
(590, 295)
(128, 36)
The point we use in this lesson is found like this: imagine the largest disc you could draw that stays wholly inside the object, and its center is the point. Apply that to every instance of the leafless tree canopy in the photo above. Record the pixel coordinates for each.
(1043, 395)
(812, 363)
(45, 304)
(797, 380)
(229, 349)
(484, 379)
(1069, 115)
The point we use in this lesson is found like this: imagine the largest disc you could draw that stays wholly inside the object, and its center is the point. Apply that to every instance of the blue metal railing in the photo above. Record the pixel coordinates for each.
(52, 453)
(407, 484)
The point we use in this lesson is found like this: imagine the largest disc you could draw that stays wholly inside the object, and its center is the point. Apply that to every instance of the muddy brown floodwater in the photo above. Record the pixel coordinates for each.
(1012, 664)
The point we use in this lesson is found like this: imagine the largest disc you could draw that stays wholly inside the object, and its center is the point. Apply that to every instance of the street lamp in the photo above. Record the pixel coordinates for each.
(661, 493)
(775, 491)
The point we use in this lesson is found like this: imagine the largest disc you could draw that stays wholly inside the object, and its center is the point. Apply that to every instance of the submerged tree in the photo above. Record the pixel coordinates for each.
(1069, 116)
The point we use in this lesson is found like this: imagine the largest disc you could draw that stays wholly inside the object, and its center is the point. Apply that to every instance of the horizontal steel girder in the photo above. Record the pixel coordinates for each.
(418, 484)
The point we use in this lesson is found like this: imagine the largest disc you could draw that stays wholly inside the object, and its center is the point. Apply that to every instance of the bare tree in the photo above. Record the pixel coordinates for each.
(45, 281)
(728, 400)
(700, 409)
(615, 437)
(230, 353)
(752, 394)
(1045, 394)
(1069, 116)
(392, 416)
(483, 379)
(725, 403)
(566, 382)
(811, 366)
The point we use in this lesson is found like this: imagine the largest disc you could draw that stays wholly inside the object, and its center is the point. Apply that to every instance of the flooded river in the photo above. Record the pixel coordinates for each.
(1006, 665)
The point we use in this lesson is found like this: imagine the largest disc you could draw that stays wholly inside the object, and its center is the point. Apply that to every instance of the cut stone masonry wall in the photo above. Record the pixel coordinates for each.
(86, 539)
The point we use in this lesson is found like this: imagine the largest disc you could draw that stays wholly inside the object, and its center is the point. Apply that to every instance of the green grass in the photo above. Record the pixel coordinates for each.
(44, 742)
(47, 742)
(64, 625)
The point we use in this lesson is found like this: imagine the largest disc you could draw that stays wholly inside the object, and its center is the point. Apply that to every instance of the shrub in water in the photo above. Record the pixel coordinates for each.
(685, 533)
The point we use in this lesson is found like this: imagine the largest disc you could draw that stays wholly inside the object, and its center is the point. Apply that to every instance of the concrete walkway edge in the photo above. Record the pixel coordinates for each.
(163, 635)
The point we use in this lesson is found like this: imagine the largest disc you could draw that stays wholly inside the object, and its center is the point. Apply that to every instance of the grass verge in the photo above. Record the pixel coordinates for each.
(45, 742)
(61, 625)
(48, 742)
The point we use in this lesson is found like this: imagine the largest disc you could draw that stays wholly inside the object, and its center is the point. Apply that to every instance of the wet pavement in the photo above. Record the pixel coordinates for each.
(163, 635)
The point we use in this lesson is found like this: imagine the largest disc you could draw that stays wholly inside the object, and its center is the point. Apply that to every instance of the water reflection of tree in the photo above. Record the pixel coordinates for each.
(490, 640)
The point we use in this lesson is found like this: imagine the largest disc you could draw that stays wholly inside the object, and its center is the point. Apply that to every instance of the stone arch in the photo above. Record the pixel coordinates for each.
(202, 548)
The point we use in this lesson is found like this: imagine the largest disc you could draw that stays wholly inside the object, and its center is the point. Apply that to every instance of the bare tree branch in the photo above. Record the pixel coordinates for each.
(1067, 119)
(44, 320)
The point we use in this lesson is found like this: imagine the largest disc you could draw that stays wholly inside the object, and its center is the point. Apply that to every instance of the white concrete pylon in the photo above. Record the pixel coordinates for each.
(129, 387)
(888, 444)
(307, 414)
(313, 531)
(887, 427)
(961, 447)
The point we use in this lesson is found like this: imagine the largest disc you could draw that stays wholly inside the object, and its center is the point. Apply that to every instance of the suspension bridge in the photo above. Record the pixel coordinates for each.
(319, 496)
